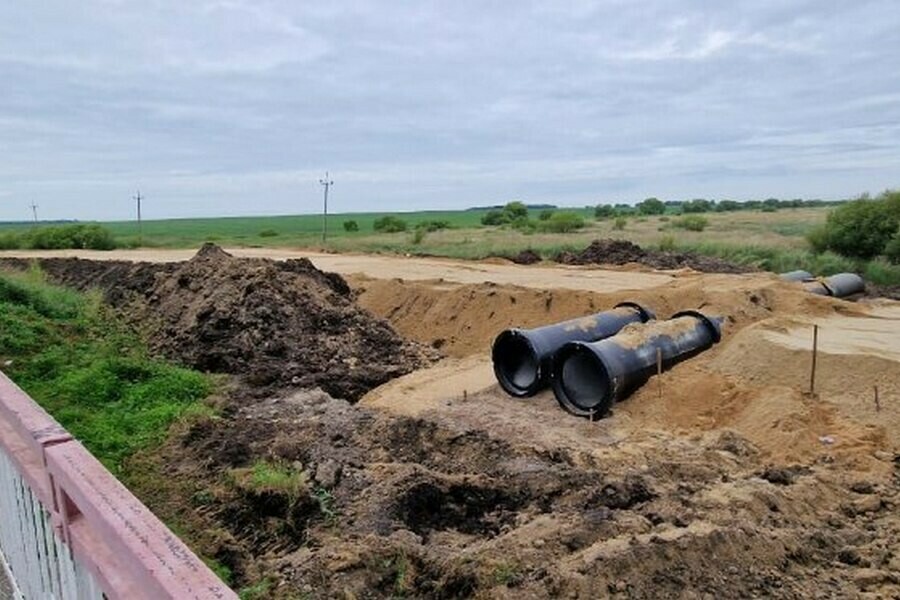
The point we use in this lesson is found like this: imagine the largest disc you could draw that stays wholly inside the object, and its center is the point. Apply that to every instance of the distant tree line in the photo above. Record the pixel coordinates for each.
(655, 206)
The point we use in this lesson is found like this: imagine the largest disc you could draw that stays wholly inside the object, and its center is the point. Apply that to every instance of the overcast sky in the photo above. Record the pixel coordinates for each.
(238, 107)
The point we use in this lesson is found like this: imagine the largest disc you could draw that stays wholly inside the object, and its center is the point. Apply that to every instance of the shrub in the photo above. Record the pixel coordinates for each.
(545, 215)
(698, 205)
(563, 222)
(10, 241)
(419, 235)
(70, 237)
(620, 223)
(861, 228)
(523, 224)
(651, 206)
(268, 233)
(513, 211)
(892, 250)
(430, 226)
(351, 226)
(494, 217)
(691, 222)
(667, 243)
(604, 211)
(389, 224)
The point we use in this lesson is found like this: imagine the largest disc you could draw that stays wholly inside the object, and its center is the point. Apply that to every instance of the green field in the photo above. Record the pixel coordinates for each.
(769, 240)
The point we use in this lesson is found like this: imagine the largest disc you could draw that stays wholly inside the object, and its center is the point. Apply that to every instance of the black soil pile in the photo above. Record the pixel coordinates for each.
(621, 252)
(526, 257)
(274, 324)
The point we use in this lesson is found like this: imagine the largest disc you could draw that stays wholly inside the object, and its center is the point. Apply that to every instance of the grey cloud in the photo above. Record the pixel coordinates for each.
(237, 106)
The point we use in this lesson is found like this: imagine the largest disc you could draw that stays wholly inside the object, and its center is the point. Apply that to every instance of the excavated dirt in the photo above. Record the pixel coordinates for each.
(622, 252)
(722, 478)
(275, 324)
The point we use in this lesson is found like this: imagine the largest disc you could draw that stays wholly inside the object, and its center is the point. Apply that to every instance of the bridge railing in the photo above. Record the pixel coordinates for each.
(69, 529)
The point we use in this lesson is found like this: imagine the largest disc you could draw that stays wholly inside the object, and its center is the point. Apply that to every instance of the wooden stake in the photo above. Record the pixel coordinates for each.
(815, 353)
(659, 372)
(877, 402)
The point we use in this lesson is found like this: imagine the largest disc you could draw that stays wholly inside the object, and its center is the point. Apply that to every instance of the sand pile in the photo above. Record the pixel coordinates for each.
(621, 252)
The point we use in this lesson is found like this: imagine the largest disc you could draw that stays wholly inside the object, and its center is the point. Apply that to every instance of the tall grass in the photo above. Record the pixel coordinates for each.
(91, 373)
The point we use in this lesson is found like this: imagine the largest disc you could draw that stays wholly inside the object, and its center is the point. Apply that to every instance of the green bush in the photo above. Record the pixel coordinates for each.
(545, 215)
(651, 206)
(68, 237)
(523, 224)
(691, 222)
(563, 222)
(862, 228)
(512, 212)
(620, 223)
(667, 243)
(604, 211)
(434, 225)
(419, 235)
(351, 226)
(266, 233)
(389, 224)
(892, 250)
(10, 241)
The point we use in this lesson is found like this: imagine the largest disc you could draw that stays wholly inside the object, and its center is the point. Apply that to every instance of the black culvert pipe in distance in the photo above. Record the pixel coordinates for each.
(523, 357)
(841, 285)
(589, 377)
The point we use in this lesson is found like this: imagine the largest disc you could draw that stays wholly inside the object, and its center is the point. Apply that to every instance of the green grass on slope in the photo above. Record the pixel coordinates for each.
(87, 370)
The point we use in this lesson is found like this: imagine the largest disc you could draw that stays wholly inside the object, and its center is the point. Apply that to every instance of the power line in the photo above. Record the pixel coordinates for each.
(326, 183)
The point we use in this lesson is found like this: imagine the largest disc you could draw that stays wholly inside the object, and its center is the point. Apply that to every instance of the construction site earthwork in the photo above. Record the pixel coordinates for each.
(616, 423)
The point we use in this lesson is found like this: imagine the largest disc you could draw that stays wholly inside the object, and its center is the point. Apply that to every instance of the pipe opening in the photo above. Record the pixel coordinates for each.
(583, 383)
(516, 364)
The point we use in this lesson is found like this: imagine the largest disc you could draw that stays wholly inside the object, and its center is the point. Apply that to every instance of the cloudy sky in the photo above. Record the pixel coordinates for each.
(239, 106)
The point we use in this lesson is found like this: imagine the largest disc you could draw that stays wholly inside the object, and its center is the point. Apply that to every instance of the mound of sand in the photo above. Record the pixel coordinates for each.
(621, 252)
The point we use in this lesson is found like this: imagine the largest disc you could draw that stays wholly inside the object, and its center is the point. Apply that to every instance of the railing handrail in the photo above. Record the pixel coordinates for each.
(110, 533)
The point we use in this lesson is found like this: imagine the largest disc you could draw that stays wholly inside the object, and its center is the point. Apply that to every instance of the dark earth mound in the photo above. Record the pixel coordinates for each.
(274, 324)
(526, 257)
(620, 252)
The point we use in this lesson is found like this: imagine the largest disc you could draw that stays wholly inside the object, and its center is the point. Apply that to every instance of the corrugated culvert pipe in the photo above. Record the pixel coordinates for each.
(589, 377)
(841, 285)
(523, 357)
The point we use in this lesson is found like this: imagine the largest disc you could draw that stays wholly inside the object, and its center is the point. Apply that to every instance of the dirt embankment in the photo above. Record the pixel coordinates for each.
(276, 325)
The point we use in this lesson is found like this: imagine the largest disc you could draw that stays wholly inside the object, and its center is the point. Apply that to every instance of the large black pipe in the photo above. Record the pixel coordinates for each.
(841, 285)
(523, 357)
(589, 377)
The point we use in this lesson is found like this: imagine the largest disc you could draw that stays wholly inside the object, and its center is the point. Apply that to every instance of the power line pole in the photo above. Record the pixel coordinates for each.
(138, 198)
(326, 183)
(34, 208)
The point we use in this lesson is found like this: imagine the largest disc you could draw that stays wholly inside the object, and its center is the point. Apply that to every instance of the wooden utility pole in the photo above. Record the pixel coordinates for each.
(138, 199)
(326, 183)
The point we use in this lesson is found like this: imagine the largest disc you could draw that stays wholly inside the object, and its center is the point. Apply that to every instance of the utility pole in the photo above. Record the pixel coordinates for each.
(138, 198)
(326, 183)
(34, 208)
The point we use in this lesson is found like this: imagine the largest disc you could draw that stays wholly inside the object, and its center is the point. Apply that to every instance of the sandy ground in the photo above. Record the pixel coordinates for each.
(722, 478)
(396, 267)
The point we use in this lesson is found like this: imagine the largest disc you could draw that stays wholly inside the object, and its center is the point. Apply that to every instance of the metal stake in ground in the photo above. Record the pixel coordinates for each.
(877, 401)
(815, 352)
(326, 183)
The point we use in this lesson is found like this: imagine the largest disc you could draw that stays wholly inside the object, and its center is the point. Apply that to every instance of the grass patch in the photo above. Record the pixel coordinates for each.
(265, 477)
(91, 373)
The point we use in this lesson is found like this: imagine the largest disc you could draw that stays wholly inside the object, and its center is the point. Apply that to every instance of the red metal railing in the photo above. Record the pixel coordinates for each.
(110, 534)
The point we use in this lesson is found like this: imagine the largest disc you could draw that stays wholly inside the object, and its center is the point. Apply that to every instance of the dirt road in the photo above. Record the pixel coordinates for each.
(398, 267)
